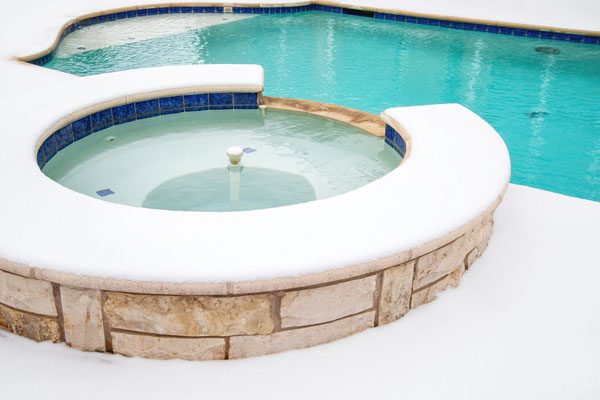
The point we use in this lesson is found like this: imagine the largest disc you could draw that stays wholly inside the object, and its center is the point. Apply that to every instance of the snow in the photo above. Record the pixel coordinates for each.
(460, 168)
(523, 324)
(457, 168)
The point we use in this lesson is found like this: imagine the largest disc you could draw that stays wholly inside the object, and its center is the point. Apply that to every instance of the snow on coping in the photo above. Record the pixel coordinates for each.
(457, 168)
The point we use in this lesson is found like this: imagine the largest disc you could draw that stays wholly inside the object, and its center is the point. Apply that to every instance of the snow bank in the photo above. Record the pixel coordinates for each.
(524, 323)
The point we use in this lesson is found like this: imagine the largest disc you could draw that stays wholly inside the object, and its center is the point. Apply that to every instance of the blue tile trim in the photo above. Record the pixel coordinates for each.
(41, 160)
(395, 140)
(531, 33)
(63, 137)
(81, 128)
(168, 105)
(389, 134)
(103, 119)
(561, 36)
(49, 147)
(220, 99)
(245, 99)
(147, 108)
(195, 101)
(575, 38)
(124, 113)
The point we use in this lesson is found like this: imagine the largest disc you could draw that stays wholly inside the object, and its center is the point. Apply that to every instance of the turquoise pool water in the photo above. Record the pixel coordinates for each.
(178, 161)
(545, 104)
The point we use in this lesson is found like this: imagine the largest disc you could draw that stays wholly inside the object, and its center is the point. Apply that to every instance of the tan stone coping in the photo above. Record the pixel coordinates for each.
(296, 4)
(360, 119)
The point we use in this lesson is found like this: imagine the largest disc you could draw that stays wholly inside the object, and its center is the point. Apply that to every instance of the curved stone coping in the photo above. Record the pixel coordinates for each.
(74, 235)
(469, 24)
(360, 119)
(84, 274)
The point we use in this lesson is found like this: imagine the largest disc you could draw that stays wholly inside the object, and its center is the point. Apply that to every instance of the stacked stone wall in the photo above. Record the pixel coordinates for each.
(210, 327)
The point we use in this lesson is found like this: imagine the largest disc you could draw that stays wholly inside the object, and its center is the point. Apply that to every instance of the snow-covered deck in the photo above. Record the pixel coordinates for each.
(523, 324)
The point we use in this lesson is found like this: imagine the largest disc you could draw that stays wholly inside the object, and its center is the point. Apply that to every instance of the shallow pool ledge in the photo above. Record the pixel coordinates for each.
(99, 275)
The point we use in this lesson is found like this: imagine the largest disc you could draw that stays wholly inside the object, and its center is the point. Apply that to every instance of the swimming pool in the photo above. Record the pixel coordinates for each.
(542, 101)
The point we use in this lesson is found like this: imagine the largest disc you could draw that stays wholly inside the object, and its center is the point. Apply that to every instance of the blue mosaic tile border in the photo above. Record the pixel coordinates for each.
(103, 119)
(395, 140)
(502, 30)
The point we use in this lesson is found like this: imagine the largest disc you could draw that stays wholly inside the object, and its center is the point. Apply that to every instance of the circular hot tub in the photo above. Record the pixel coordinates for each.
(154, 282)
(178, 161)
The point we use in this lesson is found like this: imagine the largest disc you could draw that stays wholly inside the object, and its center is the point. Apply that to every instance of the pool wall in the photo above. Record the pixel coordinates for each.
(140, 109)
(467, 24)
(96, 118)
(310, 300)
(166, 321)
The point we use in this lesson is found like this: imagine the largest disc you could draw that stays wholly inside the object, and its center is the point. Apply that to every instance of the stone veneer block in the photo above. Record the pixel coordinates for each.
(250, 346)
(36, 327)
(478, 241)
(327, 303)
(82, 318)
(190, 315)
(396, 290)
(430, 293)
(166, 348)
(471, 257)
(27, 294)
(432, 266)
(480, 235)
(3, 322)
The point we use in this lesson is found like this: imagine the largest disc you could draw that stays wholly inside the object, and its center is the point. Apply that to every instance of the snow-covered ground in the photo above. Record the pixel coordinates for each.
(523, 324)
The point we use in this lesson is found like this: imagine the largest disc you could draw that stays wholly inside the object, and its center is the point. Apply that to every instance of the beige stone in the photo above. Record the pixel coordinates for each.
(27, 294)
(327, 303)
(250, 346)
(165, 348)
(429, 293)
(190, 315)
(396, 289)
(478, 240)
(471, 257)
(82, 318)
(36, 327)
(362, 120)
(3, 322)
(480, 234)
(432, 266)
